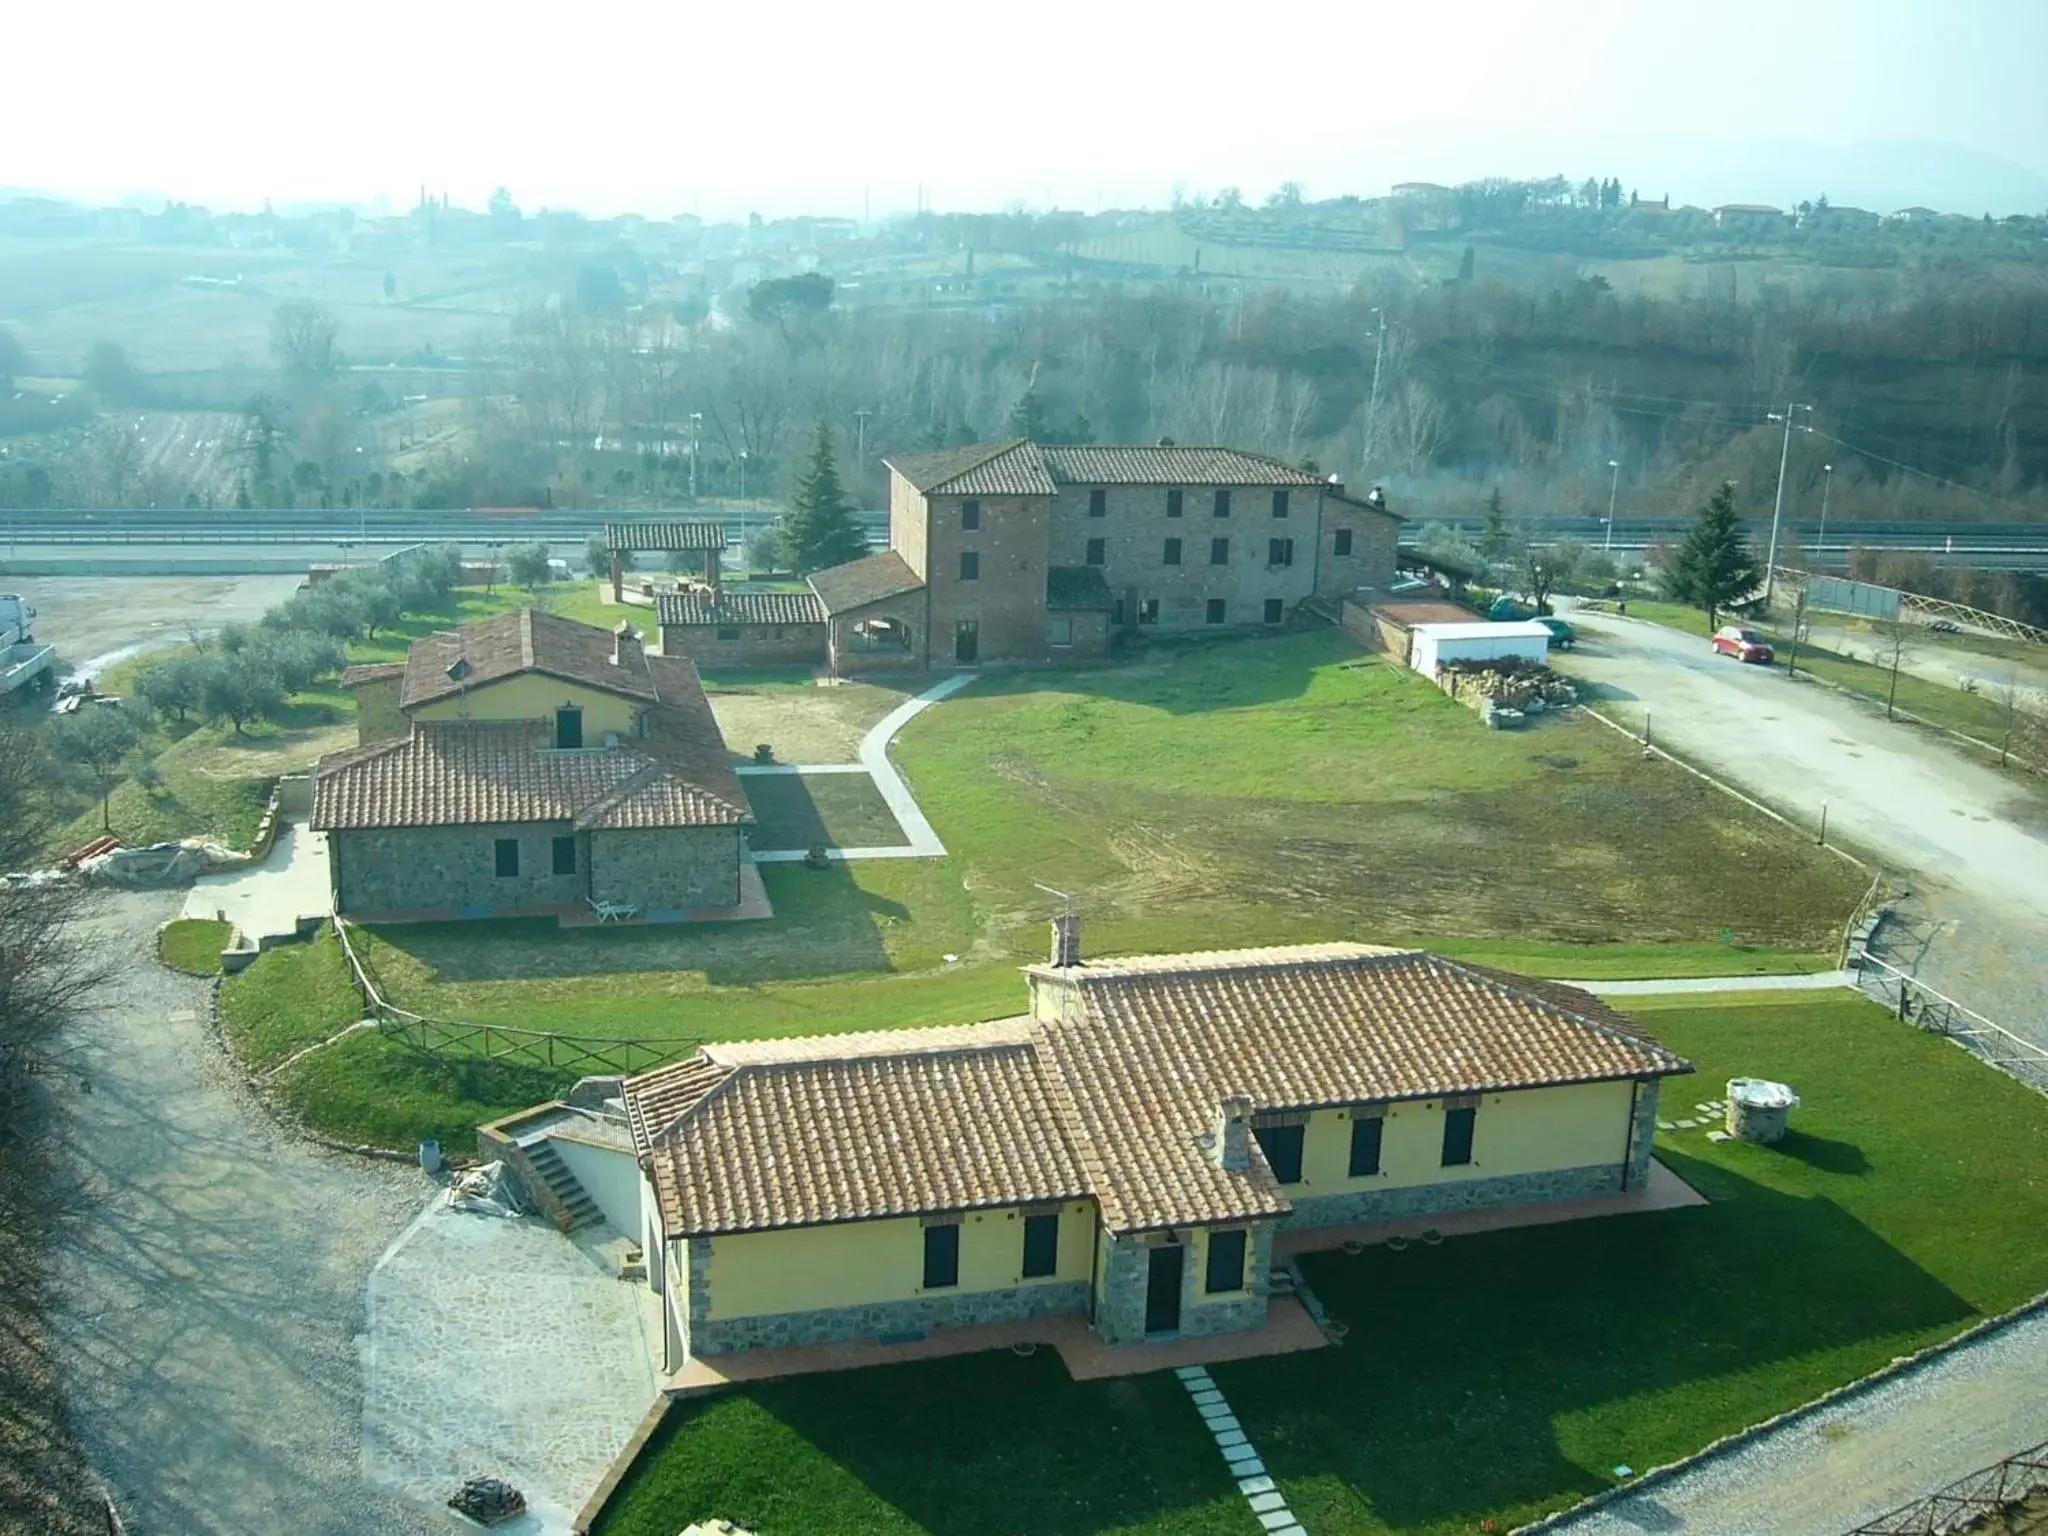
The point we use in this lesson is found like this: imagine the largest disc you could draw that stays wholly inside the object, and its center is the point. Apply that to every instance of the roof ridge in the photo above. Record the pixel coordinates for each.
(983, 462)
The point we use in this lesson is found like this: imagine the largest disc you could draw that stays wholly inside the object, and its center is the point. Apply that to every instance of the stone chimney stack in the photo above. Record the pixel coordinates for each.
(1234, 1133)
(625, 644)
(1066, 939)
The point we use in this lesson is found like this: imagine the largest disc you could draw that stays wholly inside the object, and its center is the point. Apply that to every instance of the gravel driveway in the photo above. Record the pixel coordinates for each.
(1970, 842)
(1858, 1458)
(207, 1309)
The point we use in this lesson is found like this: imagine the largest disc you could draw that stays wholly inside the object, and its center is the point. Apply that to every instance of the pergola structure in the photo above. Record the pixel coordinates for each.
(707, 539)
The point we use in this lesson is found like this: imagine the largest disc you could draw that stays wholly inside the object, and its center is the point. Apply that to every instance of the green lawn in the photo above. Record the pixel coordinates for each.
(833, 810)
(293, 996)
(193, 945)
(988, 1445)
(1493, 1378)
(1269, 791)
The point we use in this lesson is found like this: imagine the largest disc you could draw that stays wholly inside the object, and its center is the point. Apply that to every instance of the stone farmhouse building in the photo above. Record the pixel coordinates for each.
(1125, 1150)
(532, 765)
(1026, 553)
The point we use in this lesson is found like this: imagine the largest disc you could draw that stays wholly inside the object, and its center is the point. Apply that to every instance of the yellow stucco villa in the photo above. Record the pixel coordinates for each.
(1124, 1150)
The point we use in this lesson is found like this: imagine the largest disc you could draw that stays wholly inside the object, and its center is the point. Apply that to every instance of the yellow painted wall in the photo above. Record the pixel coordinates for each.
(1530, 1131)
(530, 696)
(857, 1262)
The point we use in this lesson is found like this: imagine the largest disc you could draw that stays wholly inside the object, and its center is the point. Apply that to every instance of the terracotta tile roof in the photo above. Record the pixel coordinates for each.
(373, 672)
(983, 469)
(646, 537)
(1114, 1093)
(467, 772)
(525, 640)
(1150, 1047)
(785, 1144)
(1117, 464)
(700, 609)
(867, 580)
(1074, 588)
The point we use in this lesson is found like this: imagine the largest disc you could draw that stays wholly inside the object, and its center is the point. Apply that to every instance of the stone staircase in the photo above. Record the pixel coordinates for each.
(571, 1205)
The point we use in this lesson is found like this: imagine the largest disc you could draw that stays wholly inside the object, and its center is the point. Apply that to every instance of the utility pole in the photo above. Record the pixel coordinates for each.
(696, 430)
(860, 452)
(1827, 484)
(1613, 490)
(1778, 507)
(1372, 410)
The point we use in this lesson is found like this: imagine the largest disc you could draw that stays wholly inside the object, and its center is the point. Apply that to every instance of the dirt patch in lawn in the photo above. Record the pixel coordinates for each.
(802, 722)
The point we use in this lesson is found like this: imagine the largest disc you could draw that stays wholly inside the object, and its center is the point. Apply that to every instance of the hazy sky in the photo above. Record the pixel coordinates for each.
(663, 107)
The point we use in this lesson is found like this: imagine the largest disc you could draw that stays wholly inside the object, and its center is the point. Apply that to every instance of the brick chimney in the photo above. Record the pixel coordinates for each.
(625, 645)
(1234, 1133)
(1066, 939)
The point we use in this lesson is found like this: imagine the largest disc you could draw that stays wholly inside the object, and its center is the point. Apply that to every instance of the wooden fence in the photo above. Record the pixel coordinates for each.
(1997, 1488)
(585, 1055)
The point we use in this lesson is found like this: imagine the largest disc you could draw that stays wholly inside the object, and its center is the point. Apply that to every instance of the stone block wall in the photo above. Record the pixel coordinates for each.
(1642, 1132)
(1375, 537)
(1120, 1318)
(1006, 601)
(377, 714)
(749, 645)
(1453, 1195)
(850, 659)
(835, 1325)
(407, 869)
(669, 869)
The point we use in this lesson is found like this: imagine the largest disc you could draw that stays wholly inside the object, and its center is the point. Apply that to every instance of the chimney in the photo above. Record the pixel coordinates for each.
(1234, 1133)
(625, 645)
(1066, 939)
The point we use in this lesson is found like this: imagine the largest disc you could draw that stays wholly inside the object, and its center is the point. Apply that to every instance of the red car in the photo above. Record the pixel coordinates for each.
(1741, 643)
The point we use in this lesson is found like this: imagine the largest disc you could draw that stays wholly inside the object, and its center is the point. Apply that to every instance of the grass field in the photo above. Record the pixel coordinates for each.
(292, 996)
(1494, 1378)
(1269, 791)
(193, 945)
(835, 810)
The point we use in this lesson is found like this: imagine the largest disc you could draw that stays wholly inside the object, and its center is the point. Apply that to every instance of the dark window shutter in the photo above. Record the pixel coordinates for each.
(1097, 551)
(1458, 1136)
(1226, 1262)
(508, 858)
(1365, 1145)
(1223, 501)
(970, 565)
(565, 855)
(1098, 503)
(1173, 503)
(941, 1257)
(1173, 551)
(1219, 551)
(1279, 503)
(1041, 1246)
(1343, 545)
(1282, 1146)
(1215, 614)
(970, 515)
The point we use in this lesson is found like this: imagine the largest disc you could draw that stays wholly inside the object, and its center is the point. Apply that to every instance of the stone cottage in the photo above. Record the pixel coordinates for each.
(532, 765)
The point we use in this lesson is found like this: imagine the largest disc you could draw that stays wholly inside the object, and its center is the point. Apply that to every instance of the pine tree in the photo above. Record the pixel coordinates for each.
(1497, 541)
(818, 530)
(1027, 416)
(1713, 567)
(1466, 266)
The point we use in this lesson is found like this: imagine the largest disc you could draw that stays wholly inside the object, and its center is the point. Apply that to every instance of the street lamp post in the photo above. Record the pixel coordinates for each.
(1827, 484)
(1778, 506)
(1372, 411)
(1613, 490)
(696, 430)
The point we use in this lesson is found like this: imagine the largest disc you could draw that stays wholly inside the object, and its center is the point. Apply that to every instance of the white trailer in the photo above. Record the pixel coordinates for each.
(25, 667)
(1435, 644)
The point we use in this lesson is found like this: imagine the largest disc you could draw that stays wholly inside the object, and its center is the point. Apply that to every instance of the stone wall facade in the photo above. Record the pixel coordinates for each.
(1005, 603)
(1120, 1315)
(1642, 1133)
(849, 656)
(666, 869)
(1453, 1195)
(1087, 638)
(833, 1325)
(377, 714)
(414, 869)
(1375, 537)
(746, 645)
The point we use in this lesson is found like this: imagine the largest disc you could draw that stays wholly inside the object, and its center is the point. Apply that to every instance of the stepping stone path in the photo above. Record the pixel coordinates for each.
(1267, 1502)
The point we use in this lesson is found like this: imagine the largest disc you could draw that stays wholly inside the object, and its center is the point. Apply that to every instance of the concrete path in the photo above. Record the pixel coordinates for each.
(874, 760)
(1972, 843)
(1267, 1503)
(1863, 1455)
(499, 1346)
(269, 897)
(1810, 981)
(207, 1303)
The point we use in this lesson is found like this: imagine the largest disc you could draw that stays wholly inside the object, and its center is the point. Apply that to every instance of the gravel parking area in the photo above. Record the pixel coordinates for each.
(96, 622)
(207, 1310)
(1866, 1454)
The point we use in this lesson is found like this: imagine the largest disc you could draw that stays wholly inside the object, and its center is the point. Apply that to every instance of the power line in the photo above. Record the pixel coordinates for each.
(1913, 469)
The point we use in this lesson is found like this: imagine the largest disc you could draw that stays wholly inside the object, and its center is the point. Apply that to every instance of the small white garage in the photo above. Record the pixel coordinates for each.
(1435, 644)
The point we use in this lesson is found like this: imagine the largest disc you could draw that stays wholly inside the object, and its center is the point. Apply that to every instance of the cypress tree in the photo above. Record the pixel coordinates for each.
(818, 530)
(1713, 567)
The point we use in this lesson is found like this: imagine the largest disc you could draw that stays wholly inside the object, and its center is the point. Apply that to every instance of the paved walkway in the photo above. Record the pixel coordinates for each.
(1885, 1446)
(207, 1304)
(1809, 981)
(874, 758)
(500, 1346)
(1268, 1504)
(270, 896)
